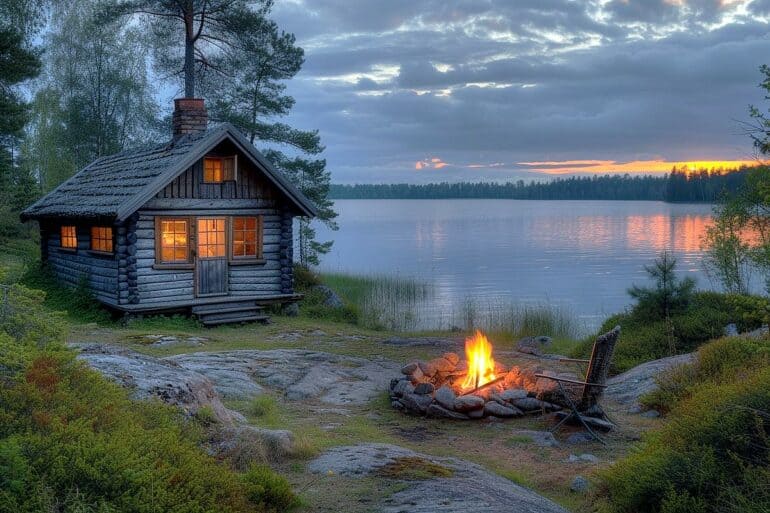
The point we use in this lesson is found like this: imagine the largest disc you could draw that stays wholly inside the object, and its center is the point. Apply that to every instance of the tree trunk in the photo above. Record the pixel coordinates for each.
(189, 51)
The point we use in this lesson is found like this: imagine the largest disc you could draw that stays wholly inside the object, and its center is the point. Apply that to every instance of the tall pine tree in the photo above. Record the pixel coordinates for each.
(231, 53)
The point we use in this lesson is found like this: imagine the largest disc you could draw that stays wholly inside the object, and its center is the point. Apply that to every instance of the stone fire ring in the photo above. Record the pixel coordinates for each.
(433, 389)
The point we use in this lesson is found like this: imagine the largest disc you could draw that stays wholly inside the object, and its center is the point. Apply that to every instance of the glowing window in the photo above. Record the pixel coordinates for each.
(218, 169)
(174, 239)
(211, 238)
(247, 237)
(101, 239)
(69, 237)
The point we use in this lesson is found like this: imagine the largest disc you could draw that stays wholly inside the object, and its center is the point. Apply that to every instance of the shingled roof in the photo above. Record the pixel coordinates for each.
(118, 185)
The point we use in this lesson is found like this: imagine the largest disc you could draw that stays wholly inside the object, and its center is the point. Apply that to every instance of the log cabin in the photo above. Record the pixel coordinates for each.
(202, 223)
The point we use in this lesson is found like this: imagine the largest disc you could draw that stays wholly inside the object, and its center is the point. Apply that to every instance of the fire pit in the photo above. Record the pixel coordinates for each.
(475, 388)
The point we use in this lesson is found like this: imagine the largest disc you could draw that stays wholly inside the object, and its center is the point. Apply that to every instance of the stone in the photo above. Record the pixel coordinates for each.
(416, 376)
(475, 414)
(452, 358)
(290, 309)
(539, 438)
(651, 414)
(416, 403)
(533, 345)
(439, 412)
(428, 369)
(731, 330)
(581, 437)
(147, 376)
(758, 333)
(532, 404)
(582, 458)
(445, 396)
(498, 410)
(442, 365)
(424, 389)
(627, 388)
(466, 403)
(511, 394)
(409, 368)
(579, 484)
(470, 488)
(331, 298)
(404, 386)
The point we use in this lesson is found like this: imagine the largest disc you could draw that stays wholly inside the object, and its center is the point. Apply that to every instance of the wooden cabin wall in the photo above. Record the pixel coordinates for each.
(251, 194)
(70, 267)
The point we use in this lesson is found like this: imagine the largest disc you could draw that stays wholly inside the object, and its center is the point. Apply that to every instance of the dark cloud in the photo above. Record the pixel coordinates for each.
(494, 83)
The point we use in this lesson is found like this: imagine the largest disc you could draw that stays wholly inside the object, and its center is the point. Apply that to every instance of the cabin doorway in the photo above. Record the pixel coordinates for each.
(211, 257)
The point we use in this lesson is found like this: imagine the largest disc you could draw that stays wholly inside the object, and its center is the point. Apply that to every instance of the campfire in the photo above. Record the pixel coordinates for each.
(474, 388)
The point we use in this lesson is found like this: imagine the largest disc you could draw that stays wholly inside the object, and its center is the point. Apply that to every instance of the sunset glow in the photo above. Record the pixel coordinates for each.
(637, 166)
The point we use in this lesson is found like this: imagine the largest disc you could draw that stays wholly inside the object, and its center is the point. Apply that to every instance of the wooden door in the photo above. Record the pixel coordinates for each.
(211, 257)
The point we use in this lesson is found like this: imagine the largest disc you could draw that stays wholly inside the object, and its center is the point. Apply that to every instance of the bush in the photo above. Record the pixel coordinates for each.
(305, 278)
(711, 456)
(644, 338)
(71, 441)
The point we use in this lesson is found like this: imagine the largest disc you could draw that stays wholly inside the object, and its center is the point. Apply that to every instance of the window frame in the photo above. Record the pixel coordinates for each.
(111, 239)
(222, 159)
(62, 247)
(259, 241)
(159, 263)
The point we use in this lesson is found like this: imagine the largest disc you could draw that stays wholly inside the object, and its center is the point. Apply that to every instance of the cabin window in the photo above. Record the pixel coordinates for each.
(101, 239)
(69, 237)
(219, 169)
(174, 237)
(211, 238)
(247, 237)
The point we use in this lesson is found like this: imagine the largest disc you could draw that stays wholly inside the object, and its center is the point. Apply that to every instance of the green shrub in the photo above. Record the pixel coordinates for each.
(305, 278)
(705, 459)
(78, 304)
(268, 490)
(644, 338)
(71, 441)
(263, 406)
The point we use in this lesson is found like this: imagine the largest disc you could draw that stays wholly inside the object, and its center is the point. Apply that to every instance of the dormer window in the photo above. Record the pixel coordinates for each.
(219, 169)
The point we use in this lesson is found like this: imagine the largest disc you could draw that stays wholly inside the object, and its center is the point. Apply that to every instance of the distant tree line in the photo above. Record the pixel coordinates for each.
(677, 186)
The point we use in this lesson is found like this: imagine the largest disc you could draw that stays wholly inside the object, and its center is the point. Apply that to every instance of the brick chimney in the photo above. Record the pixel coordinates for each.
(190, 116)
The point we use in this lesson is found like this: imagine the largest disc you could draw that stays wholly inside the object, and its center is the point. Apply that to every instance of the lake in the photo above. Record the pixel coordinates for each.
(577, 255)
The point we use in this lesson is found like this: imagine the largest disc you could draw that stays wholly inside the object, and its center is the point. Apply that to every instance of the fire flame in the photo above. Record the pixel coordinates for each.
(481, 366)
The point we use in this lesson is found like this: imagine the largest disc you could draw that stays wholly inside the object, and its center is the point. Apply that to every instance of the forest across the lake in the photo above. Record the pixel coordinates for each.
(680, 185)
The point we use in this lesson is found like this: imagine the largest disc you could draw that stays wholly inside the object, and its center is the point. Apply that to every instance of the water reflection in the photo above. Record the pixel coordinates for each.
(581, 255)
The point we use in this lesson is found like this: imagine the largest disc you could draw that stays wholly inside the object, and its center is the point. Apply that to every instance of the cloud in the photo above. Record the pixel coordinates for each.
(492, 83)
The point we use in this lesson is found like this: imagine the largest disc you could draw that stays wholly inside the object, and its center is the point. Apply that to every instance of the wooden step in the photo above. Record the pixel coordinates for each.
(234, 319)
(226, 308)
(225, 303)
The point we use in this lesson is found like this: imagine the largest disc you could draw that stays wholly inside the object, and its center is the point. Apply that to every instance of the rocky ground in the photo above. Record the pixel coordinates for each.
(334, 415)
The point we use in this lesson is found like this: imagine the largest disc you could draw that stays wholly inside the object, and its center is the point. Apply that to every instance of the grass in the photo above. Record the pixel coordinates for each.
(413, 467)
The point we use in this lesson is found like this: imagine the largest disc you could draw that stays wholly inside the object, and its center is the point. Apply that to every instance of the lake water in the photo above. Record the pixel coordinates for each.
(578, 255)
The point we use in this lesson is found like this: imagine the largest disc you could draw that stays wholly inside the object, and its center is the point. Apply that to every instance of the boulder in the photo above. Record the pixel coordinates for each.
(511, 394)
(532, 404)
(423, 389)
(498, 410)
(467, 403)
(439, 412)
(445, 396)
(404, 386)
(428, 369)
(579, 485)
(416, 403)
(409, 368)
(539, 438)
(442, 365)
(534, 345)
(331, 298)
(451, 358)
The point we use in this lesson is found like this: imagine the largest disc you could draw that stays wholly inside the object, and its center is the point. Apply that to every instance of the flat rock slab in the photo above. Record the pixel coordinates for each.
(301, 374)
(471, 488)
(627, 388)
(448, 343)
(147, 376)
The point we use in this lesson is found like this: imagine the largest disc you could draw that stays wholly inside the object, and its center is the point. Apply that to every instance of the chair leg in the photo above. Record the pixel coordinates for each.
(575, 413)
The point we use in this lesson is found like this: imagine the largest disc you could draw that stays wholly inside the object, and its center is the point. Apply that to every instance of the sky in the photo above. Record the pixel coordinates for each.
(448, 90)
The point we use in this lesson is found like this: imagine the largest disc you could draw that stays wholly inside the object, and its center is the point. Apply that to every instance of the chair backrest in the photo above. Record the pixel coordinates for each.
(598, 367)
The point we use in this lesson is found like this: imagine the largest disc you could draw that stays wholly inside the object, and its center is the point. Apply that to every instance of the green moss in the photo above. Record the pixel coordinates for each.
(412, 468)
